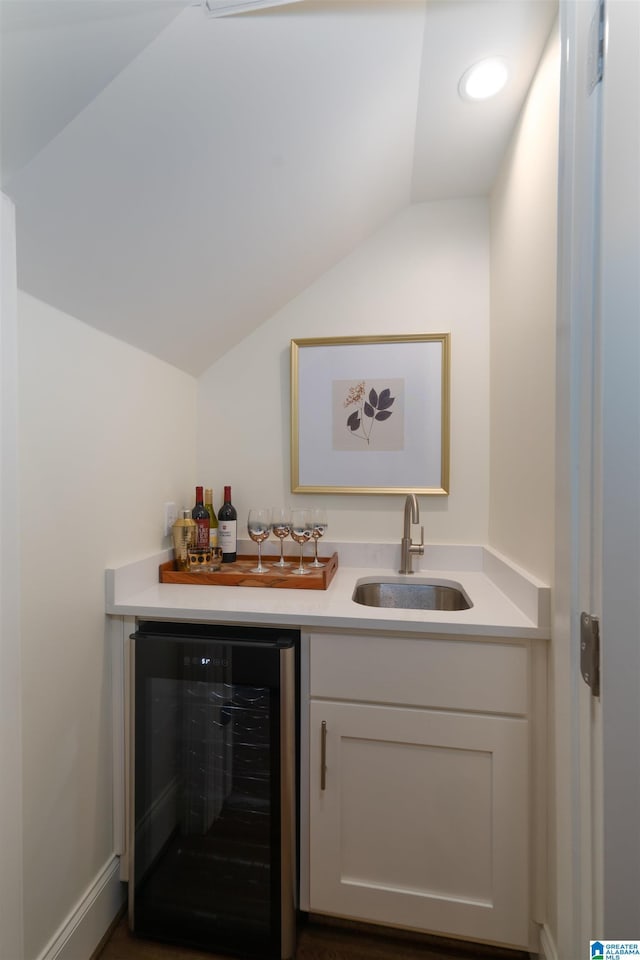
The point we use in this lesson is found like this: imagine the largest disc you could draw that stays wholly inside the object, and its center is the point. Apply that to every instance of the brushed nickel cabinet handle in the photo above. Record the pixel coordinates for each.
(323, 755)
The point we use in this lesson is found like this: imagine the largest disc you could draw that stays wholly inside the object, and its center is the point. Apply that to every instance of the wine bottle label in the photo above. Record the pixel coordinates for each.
(202, 533)
(213, 537)
(227, 535)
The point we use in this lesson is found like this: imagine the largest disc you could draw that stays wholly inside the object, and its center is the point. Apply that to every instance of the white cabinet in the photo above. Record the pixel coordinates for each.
(423, 818)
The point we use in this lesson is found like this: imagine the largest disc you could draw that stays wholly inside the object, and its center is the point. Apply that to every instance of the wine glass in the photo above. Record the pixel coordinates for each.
(259, 527)
(301, 530)
(319, 524)
(281, 528)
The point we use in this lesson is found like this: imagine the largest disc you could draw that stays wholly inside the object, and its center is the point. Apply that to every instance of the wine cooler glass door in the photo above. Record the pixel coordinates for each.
(214, 844)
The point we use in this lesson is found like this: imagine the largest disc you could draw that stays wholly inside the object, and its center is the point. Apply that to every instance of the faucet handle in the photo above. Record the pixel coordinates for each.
(418, 548)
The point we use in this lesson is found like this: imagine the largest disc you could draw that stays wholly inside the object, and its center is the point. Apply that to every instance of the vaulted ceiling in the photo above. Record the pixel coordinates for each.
(178, 178)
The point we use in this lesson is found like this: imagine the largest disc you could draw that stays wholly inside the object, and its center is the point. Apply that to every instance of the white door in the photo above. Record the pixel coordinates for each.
(578, 573)
(598, 568)
(619, 301)
(10, 689)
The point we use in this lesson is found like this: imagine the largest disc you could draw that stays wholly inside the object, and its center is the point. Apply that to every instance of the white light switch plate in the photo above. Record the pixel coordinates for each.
(170, 517)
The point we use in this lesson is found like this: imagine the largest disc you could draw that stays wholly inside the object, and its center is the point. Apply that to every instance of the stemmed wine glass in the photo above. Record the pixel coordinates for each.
(301, 530)
(259, 527)
(319, 524)
(281, 528)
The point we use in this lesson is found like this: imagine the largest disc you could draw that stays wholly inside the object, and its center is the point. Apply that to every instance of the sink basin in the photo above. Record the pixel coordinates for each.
(418, 595)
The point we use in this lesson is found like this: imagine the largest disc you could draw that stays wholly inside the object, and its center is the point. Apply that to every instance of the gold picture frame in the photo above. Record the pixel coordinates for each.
(370, 414)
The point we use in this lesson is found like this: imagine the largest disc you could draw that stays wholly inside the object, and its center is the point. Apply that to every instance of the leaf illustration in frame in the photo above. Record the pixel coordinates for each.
(353, 421)
(385, 399)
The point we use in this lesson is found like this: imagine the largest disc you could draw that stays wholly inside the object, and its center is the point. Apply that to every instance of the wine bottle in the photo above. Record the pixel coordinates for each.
(201, 517)
(213, 520)
(227, 527)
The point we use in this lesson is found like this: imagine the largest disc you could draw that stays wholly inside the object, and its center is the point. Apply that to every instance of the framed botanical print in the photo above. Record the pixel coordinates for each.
(370, 414)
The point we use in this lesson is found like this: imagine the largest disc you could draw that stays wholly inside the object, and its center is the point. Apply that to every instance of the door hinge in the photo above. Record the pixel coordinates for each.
(590, 652)
(595, 54)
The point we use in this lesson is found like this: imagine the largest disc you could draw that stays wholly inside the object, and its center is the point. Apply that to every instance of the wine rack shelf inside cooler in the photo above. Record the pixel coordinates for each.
(238, 574)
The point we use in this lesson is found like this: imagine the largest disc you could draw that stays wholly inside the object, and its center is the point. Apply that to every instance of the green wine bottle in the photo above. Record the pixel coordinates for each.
(213, 520)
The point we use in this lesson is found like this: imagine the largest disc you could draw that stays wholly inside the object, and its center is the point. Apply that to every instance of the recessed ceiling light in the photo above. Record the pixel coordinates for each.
(483, 79)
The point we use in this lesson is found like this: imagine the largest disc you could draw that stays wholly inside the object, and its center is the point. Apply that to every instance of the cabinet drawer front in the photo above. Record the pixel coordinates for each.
(447, 674)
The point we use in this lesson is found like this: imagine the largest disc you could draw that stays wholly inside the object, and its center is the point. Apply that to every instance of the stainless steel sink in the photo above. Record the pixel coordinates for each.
(417, 595)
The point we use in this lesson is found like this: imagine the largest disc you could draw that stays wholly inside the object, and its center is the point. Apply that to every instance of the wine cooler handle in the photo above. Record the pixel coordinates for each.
(323, 755)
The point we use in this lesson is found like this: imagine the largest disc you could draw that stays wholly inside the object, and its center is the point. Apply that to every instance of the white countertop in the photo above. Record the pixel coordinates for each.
(507, 602)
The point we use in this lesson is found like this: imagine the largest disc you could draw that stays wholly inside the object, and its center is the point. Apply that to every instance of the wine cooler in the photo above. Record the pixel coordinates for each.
(212, 811)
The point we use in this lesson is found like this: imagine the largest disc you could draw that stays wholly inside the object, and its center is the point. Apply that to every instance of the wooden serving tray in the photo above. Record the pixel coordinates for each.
(238, 574)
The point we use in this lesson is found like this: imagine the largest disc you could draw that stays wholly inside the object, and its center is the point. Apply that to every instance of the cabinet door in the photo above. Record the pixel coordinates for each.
(423, 819)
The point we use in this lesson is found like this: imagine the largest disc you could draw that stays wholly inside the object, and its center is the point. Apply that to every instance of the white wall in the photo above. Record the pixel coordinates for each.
(425, 271)
(523, 337)
(523, 318)
(107, 433)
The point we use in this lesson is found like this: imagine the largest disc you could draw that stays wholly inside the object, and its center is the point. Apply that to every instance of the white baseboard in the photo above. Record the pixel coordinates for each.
(86, 925)
(547, 946)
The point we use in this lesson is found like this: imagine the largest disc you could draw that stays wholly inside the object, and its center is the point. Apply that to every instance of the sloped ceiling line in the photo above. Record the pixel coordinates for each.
(200, 172)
